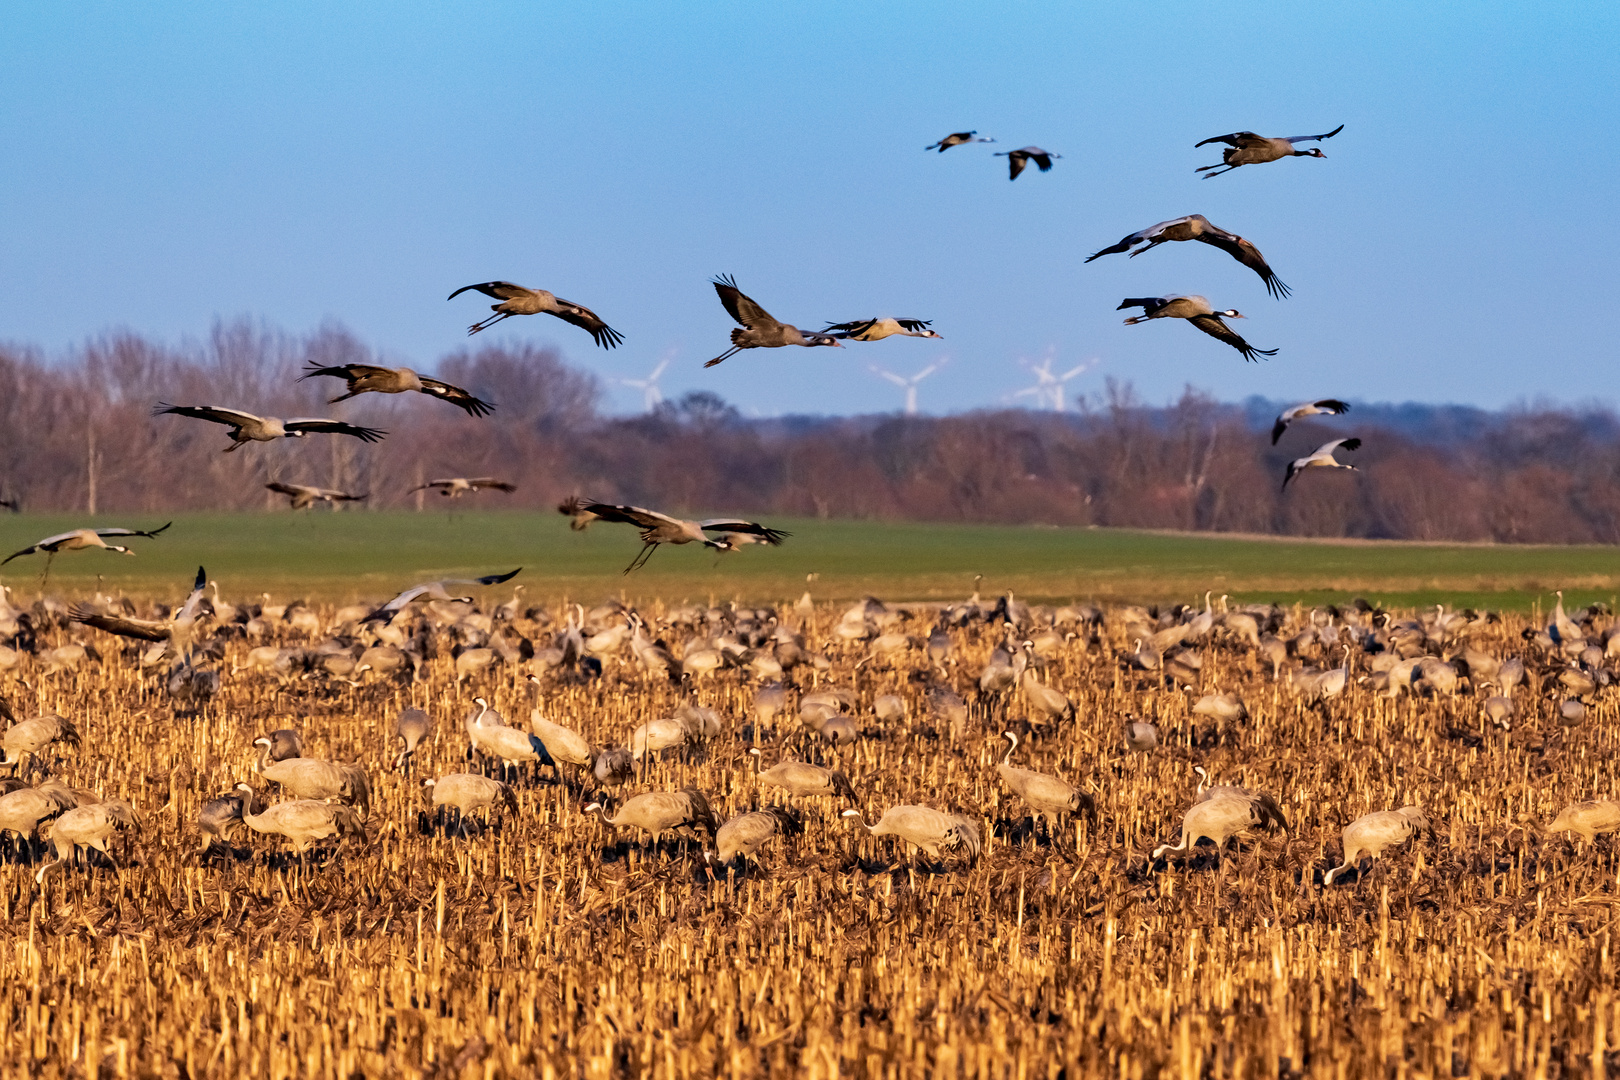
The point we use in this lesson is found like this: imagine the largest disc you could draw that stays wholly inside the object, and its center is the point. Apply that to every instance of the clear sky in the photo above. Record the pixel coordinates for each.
(169, 164)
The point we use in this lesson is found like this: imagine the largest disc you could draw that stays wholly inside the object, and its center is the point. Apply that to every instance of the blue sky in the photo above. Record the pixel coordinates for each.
(169, 164)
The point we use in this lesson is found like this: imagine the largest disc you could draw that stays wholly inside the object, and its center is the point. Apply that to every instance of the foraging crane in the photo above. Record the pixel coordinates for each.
(958, 138)
(85, 826)
(412, 727)
(246, 427)
(1585, 819)
(1247, 148)
(469, 792)
(800, 778)
(1322, 458)
(32, 736)
(758, 330)
(217, 816)
(1198, 227)
(435, 590)
(1368, 836)
(878, 329)
(312, 778)
(745, 834)
(22, 810)
(1196, 310)
(517, 300)
(456, 486)
(659, 528)
(79, 540)
(659, 812)
(933, 831)
(1327, 406)
(1018, 159)
(303, 496)
(371, 379)
(1048, 796)
(613, 767)
(1141, 736)
(303, 821)
(1219, 813)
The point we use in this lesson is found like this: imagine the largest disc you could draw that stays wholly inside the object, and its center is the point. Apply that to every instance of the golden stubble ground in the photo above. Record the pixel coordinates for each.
(542, 947)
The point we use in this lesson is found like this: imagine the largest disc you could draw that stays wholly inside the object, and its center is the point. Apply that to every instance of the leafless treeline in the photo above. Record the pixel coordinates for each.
(79, 434)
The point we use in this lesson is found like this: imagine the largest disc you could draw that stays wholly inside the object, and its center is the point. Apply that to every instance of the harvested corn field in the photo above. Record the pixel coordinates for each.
(1000, 936)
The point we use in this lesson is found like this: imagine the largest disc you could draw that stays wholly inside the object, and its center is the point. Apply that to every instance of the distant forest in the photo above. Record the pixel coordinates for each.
(77, 433)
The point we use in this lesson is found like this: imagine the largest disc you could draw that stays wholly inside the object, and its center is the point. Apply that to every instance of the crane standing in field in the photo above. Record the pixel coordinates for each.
(517, 300)
(659, 528)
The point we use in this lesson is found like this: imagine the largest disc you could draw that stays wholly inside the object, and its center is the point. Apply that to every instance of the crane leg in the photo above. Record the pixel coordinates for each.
(487, 323)
(729, 352)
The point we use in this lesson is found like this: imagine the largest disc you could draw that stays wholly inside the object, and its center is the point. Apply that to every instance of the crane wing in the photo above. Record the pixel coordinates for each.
(215, 413)
(1332, 405)
(1314, 138)
(771, 536)
(915, 325)
(114, 624)
(1247, 254)
(1326, 449)
(1215, 328)
(348, 372)
(456, 396)
(587, 320)
(498, 290)
(743, 310)
(1237, 138)
(491, 482)
(131, 532)
(188, 611)
(334, 427)
(629, 515)
(294, 490)
(849, 329)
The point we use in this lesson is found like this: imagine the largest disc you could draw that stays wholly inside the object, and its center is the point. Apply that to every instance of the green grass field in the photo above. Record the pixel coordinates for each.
(351, 556)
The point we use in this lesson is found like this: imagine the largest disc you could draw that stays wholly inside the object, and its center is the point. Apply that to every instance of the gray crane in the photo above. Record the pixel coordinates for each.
(659, 812)
(468, 793)
(218, 816)
(246, 427)
(1017, 160)
(518, 300)
(1247, 148)
(1321, 458)
(303, 821)
(657, 528)
(1585, 819)
(758, 330)
(455, 487)
(1196, 310)
(79, 540)
(1325, 407)
(935, 832)
(371, 379)
(1198, 227)
(412, 727)
(744, 835)
(957, 138)
(800, 778)
(85, 826)
(1368, 836)
(878, 329)
(435, 590)
(303, 496)
(1048, 796)
(1219, 813)
(31, 736)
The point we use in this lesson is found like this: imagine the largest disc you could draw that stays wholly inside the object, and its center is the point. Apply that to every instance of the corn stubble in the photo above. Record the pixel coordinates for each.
(542, 947)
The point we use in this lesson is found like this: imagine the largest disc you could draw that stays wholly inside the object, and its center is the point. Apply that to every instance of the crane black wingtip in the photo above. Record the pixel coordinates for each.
(1277, 430)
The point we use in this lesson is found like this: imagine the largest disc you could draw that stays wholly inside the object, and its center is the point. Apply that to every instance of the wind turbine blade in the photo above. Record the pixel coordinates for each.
(924, 373)
(891, 376)
(657, 371)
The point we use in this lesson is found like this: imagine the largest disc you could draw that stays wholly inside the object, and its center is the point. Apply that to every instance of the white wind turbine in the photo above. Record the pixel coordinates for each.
(908, 385)
(1048, 390)
(651, 396)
